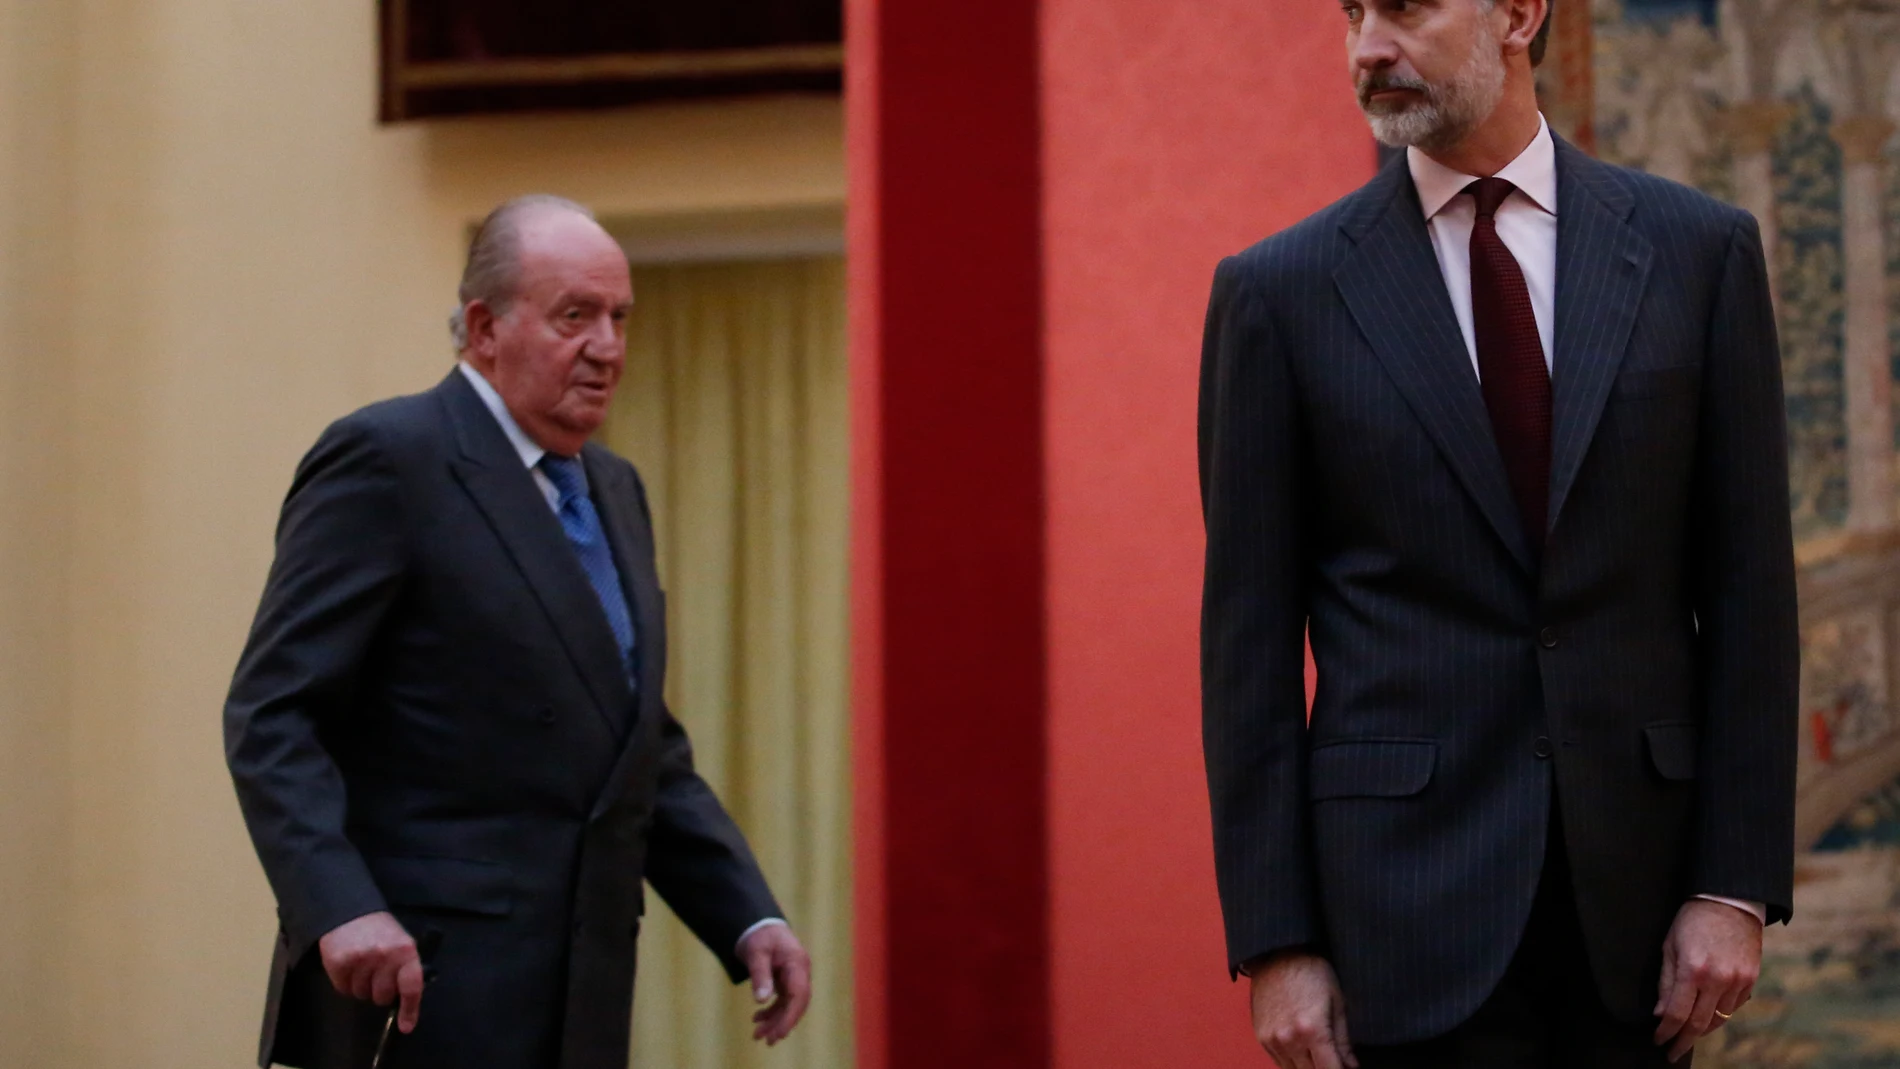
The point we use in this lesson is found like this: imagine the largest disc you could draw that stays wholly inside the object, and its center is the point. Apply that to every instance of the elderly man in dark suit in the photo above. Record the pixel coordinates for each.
(447, 726)
(1502, 434)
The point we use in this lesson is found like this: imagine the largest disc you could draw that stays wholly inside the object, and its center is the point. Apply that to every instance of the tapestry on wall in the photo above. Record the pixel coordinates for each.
(1787, 108)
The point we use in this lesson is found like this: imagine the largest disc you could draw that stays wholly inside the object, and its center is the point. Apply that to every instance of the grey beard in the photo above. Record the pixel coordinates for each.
(1449, 112)
(1422, 124)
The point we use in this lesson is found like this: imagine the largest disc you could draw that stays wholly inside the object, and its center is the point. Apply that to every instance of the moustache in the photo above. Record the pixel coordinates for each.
(1383, 81)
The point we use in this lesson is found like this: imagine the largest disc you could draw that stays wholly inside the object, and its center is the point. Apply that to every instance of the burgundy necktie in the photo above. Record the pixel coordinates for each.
(1510, 361)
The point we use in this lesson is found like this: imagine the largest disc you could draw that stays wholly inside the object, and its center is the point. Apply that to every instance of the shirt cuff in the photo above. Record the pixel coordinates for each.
(1754, 909)
(738, 948)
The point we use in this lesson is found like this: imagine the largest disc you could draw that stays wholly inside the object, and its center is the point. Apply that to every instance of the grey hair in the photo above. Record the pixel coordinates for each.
(1540, 43)
(493, 270)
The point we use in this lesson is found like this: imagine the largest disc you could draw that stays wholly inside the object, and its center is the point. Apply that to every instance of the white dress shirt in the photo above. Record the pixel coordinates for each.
(531, 455)
(1527, 224)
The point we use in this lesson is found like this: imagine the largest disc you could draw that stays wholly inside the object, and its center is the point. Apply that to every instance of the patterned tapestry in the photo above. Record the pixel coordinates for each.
(1787, 108)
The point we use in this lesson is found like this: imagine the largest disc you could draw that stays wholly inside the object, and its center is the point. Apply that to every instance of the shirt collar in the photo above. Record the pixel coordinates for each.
(1534, 173)
(531, 453)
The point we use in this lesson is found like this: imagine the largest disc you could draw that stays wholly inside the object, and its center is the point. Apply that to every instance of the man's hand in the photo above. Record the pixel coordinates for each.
(1710, 963)
(1299, 1015)
(779, 966)
(373, 959)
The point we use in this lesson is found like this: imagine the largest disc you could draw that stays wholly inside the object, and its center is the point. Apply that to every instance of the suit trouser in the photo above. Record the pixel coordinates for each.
(1546, 1013)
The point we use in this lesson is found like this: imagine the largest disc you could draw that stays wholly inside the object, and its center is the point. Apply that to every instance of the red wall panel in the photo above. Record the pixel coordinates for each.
(945, 151)
(1174, 133)
(1039, 194)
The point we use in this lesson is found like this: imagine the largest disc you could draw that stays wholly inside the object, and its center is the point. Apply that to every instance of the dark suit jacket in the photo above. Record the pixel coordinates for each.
(431, 717)
(1642, 678)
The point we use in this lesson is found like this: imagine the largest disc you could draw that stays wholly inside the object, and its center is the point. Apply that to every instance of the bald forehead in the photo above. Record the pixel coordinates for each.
(559, 233)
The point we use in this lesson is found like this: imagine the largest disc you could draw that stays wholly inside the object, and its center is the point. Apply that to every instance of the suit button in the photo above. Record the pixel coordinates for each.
(1543, 746)
(1548, 637)
(545, 714)
(577, 926)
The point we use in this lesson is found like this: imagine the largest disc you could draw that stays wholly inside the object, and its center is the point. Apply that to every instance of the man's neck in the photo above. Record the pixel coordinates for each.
(1501, 138)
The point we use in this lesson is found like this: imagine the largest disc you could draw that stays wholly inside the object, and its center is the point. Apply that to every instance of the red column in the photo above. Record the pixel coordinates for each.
(945, 247)
(1040, 191)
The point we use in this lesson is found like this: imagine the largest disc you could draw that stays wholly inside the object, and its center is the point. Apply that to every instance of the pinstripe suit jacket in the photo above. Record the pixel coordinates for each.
(1641, 677)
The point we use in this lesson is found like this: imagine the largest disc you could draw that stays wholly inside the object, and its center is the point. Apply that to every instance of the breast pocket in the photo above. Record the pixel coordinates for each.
(1645, 445)
(1678, 380)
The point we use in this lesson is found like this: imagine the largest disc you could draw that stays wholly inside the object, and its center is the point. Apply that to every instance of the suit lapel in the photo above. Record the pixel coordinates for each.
(1602, 267)
(631, 536)
(1392, 284)
(491, 472)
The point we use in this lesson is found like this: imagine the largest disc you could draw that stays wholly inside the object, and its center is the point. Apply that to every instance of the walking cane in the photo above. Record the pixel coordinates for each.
(426, 947)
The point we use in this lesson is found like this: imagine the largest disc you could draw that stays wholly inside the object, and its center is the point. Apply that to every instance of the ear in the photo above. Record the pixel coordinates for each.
(480, 321)
(1526, 17)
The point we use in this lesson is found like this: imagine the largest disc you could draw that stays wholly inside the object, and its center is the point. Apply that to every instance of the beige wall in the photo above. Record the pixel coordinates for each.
(207, 252)
(34, 495)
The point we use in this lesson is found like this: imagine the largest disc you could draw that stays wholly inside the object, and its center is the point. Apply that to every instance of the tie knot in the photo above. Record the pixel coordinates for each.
(567, 475)
(1489, 193)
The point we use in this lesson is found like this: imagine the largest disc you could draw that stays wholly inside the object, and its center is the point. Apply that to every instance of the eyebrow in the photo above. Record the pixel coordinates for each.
(572, 298)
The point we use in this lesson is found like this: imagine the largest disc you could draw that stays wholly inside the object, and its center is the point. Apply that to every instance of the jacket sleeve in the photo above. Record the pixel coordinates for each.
(697, 858)
(1254, 475)
(1744, 590)
(339, 567)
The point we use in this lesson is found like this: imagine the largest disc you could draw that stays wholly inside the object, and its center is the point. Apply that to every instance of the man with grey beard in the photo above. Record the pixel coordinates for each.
(1501, 434)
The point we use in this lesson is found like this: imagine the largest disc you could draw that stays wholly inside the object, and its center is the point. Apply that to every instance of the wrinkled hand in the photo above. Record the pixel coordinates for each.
(373, 959)
(1299, 1015)
(779, 966)
(1710, 963)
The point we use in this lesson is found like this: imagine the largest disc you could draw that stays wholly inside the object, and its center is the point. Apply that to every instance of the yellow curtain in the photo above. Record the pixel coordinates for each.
(734, 409)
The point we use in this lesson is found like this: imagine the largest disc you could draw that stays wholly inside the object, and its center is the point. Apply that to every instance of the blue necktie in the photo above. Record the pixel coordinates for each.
(584, 533)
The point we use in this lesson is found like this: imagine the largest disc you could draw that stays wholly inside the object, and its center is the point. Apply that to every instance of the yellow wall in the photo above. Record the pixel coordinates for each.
(207, 252)
(34, 495)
